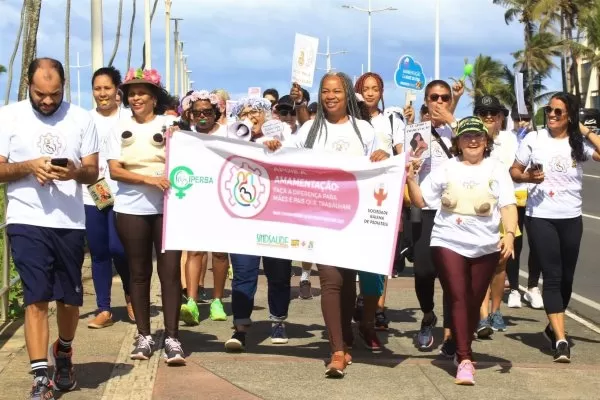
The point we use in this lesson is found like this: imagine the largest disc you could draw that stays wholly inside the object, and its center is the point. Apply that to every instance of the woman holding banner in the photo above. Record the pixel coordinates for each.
(337, 128)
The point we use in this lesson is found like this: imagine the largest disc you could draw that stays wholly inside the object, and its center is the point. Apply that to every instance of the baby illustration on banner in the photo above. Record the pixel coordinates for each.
(244, 187)
(417, 140)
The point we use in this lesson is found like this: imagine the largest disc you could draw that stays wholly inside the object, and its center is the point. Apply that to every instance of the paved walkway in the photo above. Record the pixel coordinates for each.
(512, 365)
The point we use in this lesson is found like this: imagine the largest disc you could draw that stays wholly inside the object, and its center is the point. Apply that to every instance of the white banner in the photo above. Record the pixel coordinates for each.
(305, 60)
(236, 197)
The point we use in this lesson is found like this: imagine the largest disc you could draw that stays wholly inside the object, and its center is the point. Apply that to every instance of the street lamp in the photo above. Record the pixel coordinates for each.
(328, 54)
(176, 56)
(147, 36)
(369, 11)
(437, 40)
(168, 45)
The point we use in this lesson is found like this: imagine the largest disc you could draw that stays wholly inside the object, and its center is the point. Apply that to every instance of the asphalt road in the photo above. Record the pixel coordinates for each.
(587, 275)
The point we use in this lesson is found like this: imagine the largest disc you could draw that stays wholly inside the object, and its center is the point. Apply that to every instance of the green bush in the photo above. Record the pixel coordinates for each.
(15, 295)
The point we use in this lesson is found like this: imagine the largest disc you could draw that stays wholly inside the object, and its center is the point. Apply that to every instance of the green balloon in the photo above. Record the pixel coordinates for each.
(468, 69)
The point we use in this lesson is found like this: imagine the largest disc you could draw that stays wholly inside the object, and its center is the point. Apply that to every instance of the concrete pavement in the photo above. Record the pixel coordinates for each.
(513, 365)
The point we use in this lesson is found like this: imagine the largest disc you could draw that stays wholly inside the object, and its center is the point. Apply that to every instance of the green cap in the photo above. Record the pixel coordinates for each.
(470, 124)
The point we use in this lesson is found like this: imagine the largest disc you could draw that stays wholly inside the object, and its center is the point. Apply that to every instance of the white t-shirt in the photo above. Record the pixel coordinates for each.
(339, 138)
(383, 132)
(137, 199)
(26, 135)
(469, 235)
(104, 126)
(438, 157)
(559, 195)
(505, 148)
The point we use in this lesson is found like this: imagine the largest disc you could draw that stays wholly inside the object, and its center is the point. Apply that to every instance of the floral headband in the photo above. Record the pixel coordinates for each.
(187, 101)
(256, 103)
(149, 75)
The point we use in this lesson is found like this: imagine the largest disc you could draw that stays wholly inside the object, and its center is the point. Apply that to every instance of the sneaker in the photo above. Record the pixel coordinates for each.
(217, 313)
(42, 389)
(202, 296)
(425, 336)
(484, 329)
(305, 290)
(562, 354)
(381, 321)
(278, 334)
(395, 273)
(534, 297)
(173, 353)
(230, 272)
(497, 321)
(369, 339)
(101, 320)
(448, 349)
(237, 342)
(189, 313)
(64, 373)
(465, 374)
(336, 367)
(514, 299)
(550, 336)
(358, 309)
(143, 347)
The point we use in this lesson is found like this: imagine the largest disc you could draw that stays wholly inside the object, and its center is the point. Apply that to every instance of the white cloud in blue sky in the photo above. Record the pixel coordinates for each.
(235, 44)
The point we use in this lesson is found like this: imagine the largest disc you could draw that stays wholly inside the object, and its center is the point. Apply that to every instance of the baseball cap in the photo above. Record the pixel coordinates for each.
(312, 108)
(285, 102)
(470, 124)
(487, 103)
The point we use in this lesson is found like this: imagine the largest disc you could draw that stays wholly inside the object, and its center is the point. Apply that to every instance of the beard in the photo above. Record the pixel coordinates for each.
(37, 108)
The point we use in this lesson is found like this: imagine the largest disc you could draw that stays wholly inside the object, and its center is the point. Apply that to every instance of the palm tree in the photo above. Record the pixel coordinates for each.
(131, 36)
(14, 53)
(539, 52)
(590, 25)
(487, 77)
(535, 91)
(67, 52)
(118, 35)
(30, 43)
(2, 69)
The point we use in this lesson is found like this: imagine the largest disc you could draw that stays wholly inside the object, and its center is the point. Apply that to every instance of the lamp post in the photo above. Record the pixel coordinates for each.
(176, 56)
(97, 39)
(168, 45)
(437, 40)
(147, 36)
(328, 55)
(78, 67)
(370, 11)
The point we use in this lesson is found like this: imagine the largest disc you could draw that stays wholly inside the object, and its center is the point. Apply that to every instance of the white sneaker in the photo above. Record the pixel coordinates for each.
(514, 299)
(534, 298)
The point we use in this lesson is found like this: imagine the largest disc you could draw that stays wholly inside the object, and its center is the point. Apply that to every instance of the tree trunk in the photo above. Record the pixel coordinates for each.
(30, 44)
(67, 53)
(144, 46)
(131, 36)
(119, 19)
(14, 53)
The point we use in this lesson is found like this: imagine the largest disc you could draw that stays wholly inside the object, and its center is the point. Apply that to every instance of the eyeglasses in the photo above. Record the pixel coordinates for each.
(469, 136)
(209, 112)
(488, 113)
(253, 112)
(445, 97)
(285, 113)
(558, 112)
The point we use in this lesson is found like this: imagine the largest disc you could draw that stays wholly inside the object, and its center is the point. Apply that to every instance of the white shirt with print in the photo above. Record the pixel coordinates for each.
(339, 138)
(26, 135)
(438, 157)
(468, 235)
(559, 195)
(383, 132)
(137, 199)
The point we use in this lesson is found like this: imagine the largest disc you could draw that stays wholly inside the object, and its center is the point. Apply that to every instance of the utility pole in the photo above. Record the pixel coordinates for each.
(147, 36)
(176, 57)
(97, 40)
(328, 55)
(78, 67)
(168, 45)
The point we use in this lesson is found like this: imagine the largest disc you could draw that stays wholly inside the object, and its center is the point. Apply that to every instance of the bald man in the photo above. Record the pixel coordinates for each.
(48, 148)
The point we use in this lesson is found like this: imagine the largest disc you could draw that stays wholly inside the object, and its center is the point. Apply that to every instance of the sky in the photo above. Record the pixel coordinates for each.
(236, 44)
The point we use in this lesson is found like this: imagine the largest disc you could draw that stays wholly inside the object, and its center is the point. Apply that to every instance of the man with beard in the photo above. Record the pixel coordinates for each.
(48, 148)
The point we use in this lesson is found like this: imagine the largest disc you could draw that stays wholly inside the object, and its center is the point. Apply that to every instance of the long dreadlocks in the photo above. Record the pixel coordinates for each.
(360, 85)
(352, 109)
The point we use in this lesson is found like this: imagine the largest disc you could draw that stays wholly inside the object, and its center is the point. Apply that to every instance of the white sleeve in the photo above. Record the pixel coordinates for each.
(398, 134)
(5, 131)
(369, 138)
(588, 149)
(523, 155)
(506, 188)
(435, 183)
(89, 139)
(299, 138)
(113, 145)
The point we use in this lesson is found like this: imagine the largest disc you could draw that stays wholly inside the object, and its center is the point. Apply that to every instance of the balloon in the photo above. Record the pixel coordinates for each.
(468, 69)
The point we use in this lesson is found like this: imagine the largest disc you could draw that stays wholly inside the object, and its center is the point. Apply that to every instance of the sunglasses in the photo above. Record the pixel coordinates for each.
(207, 113)
(558, 112)
(488, 113)
(285, 113)
(435, 97)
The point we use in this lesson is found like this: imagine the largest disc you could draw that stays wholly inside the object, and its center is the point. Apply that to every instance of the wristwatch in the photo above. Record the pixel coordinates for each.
(454, 125)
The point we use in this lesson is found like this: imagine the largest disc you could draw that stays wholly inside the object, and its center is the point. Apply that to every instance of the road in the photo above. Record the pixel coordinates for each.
(587, 275)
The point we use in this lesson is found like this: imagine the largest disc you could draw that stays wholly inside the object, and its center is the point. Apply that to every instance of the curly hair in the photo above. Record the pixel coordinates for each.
(111, 72)
(360, 85)
(575, 137)
(163, 100)
(455, 150)
(185, 121)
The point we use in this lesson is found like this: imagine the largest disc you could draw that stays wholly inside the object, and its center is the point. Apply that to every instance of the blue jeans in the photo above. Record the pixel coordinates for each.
(245, 279)
(105, 249)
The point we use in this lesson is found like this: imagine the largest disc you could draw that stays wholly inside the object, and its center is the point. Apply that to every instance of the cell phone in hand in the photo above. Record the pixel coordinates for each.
(59, 162)
(537, 167)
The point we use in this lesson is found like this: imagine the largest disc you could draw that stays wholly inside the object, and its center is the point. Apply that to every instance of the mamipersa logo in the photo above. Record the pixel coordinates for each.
(182, 179)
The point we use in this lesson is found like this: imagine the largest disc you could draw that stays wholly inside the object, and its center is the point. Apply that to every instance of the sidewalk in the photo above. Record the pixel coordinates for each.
(513, 365)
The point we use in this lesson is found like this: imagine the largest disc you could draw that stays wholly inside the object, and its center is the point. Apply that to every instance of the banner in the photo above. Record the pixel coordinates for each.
(237, 197)
(305, 60)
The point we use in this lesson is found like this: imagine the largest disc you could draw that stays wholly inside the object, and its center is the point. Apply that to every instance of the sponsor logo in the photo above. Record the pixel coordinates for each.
(263, 239)
(182, 179)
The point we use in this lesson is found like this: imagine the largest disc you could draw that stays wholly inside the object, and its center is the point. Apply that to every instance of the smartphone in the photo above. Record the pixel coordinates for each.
(537, 167)
(59, 162)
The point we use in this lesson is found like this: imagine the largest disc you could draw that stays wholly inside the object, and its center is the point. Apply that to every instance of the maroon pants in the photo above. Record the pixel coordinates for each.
(465, 282)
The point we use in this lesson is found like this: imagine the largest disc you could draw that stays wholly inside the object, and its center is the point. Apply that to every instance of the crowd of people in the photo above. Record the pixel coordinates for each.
(97, 178)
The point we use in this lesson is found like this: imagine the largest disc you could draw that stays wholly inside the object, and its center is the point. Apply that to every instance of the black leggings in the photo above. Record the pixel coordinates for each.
(424, 269)
(139, 233)
(556, 244)
(514, 264)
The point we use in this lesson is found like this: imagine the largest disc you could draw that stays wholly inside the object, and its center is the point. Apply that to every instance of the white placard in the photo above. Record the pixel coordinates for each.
(417, 140)
(520, 94)
(254, 92)
(305, 60)
(273, 129)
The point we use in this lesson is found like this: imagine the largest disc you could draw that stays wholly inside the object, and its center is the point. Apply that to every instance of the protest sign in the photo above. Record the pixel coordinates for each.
(417, 140)
(409, 74)
(304, 60)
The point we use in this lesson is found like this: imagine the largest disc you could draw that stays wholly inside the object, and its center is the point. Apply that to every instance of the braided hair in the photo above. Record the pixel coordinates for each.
(352, 110)
(360, 85)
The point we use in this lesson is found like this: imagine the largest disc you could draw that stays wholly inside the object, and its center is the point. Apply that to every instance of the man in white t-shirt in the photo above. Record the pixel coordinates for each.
(48, 148)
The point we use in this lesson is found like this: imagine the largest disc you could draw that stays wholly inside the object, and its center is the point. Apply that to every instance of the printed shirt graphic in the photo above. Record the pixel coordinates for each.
(25, 135)
(559, 195)
(383, 132)
(438, 157)
(468, 235)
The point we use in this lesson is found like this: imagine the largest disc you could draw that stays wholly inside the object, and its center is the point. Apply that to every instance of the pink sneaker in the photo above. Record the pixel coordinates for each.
(465, 373)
